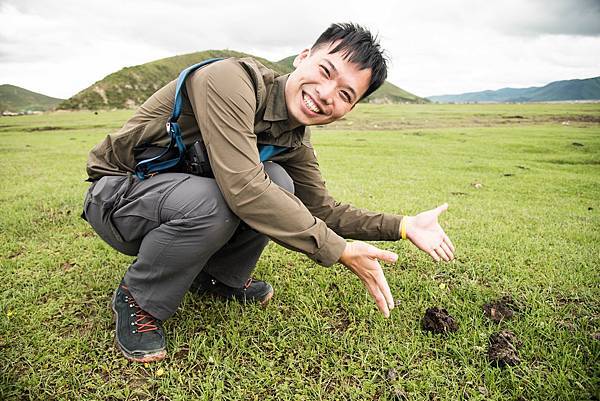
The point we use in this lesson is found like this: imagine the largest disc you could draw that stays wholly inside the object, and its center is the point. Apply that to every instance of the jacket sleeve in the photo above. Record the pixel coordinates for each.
(345, 219)
(224, 101)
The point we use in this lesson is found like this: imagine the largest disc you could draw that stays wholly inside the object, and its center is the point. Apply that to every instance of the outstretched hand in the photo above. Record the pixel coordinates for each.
(425, 232)
(362, 259)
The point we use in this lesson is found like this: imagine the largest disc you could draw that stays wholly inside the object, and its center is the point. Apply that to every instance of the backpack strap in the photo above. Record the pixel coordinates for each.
(154, 165)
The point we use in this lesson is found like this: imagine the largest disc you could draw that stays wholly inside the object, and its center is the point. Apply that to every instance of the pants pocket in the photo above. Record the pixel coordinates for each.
(102, 198)
(139, 211)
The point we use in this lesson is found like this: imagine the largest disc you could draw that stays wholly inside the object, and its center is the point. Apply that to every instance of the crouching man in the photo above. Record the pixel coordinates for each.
(205, 234)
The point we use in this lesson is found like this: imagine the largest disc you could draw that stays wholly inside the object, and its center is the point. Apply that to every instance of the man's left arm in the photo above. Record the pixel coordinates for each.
(423, 230)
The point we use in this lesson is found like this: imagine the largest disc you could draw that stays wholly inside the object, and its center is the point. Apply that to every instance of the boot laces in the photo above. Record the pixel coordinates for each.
(144, 321)
(249, 282)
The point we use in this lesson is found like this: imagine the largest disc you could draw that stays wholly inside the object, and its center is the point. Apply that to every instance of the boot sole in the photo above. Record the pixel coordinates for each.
(134, 356)
(266, 299)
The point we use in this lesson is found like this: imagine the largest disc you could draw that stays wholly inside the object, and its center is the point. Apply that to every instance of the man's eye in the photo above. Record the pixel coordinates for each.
(325, 71)
(346, 97)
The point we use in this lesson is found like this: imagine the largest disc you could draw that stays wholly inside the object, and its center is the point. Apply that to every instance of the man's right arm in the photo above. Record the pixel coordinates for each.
(346, 220)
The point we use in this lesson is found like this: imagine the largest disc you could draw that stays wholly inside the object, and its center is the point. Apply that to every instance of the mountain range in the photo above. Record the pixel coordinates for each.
(569, 90)
(131, 86)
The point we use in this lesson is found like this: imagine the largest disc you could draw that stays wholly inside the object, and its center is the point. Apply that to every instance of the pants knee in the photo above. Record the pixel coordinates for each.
(199, 201)
(279, 176)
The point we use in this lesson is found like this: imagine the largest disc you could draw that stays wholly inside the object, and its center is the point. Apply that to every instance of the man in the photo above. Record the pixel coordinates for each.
(206, 235)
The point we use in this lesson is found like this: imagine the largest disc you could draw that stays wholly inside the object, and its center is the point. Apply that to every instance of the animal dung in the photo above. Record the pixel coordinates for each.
(438, 321)
(502, 350)
(499, 310)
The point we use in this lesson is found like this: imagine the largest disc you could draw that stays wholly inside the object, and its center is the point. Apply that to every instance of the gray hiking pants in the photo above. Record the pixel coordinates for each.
(176, 225)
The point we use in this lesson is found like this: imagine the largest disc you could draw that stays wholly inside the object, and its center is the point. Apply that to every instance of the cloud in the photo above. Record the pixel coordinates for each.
(60, 47)
(549, 17)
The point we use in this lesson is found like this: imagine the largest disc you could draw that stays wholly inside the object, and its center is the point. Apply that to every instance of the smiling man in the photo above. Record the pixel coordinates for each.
(206, 233)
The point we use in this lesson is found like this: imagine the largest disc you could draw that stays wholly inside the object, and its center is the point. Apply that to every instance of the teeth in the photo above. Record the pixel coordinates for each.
(309, 103)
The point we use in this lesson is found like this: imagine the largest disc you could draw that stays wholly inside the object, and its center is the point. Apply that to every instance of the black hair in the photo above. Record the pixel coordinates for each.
(358, 46)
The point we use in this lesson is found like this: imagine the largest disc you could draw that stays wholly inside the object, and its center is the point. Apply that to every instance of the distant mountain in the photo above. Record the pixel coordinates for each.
(573, 89)
(16, 99)
(131, 86)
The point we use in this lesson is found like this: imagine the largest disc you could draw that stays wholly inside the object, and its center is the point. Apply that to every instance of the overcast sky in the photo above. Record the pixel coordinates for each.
(436, 46)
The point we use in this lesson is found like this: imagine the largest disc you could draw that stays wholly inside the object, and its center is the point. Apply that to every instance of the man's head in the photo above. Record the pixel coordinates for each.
(345, 64)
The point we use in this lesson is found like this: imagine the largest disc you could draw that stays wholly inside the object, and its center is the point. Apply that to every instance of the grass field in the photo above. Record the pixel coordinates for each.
(529, 230)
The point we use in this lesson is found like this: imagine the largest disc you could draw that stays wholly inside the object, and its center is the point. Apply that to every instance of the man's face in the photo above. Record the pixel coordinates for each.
(324, 87)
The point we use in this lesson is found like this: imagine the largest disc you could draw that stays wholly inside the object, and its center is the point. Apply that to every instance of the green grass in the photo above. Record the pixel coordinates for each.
(533, 235)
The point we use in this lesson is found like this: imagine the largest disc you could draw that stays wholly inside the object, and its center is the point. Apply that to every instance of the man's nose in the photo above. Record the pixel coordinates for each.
(326, 92)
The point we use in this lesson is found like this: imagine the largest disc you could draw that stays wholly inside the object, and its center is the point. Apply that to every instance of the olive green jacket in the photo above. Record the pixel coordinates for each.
(237, 104)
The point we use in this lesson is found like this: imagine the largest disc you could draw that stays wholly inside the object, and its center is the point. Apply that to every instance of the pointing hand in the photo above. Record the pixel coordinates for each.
(362, 259)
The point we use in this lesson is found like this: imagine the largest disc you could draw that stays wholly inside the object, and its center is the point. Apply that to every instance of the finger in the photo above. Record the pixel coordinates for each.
(381, 254)
(385, 289)
(442, 208)
(379, 300)
(449, 243)
(434, 255)
(446, 249)
(388, 256)
(442, 254)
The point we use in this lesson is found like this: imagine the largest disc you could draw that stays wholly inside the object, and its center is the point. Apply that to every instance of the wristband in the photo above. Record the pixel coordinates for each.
(403, 228)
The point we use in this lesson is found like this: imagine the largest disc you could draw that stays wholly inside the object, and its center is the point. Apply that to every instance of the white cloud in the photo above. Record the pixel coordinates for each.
(60, 47)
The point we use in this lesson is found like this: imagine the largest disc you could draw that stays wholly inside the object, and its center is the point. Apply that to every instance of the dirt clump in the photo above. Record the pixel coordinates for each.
(501, 309)
(438, 321)
(502, 350)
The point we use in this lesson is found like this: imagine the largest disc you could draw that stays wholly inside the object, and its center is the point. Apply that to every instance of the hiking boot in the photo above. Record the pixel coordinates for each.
(253, 291)
(139, 335)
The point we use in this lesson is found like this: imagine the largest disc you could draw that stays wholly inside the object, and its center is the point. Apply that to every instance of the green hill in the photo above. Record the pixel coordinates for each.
(16, 99)
(131, 86)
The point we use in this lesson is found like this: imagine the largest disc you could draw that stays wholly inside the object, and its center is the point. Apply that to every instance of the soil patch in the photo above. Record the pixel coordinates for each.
(438, 321)
(586, 118)
(502, 350)
(501, 309)
(391, 375)
(48, 128)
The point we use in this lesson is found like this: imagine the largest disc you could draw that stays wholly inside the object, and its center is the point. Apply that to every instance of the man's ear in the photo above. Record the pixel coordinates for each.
(301, 56)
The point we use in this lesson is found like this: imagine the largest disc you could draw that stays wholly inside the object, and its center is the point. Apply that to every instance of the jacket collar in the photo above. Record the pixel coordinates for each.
(276, 109)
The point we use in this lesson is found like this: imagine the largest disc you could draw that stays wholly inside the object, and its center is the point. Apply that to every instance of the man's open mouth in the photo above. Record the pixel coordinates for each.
(310, 104)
